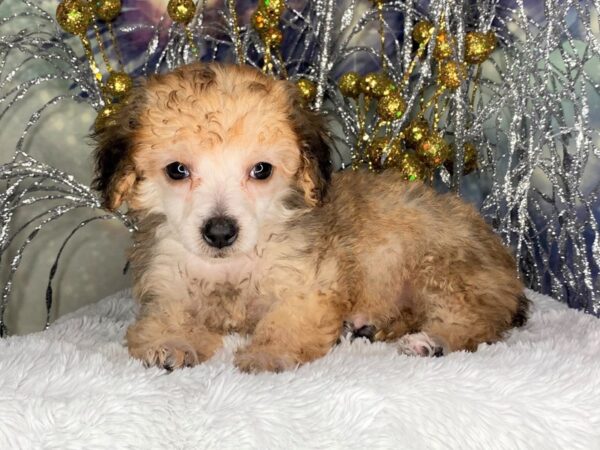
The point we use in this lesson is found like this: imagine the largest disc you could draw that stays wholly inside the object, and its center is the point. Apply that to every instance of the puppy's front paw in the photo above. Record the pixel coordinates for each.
(168, 355)
(261, 359)
(421, 344)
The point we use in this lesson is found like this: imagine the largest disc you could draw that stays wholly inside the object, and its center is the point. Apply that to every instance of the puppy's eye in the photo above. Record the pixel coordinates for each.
(261, 171)
(177, 171)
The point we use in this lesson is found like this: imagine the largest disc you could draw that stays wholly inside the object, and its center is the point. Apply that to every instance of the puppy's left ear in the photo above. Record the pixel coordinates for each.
(115, 171)
(314, 173)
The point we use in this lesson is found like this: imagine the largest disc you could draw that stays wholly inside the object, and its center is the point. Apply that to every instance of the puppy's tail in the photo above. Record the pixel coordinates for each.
(522, 312)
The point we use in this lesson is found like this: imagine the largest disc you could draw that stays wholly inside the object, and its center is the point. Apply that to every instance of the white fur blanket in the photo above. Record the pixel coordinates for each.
(74, 386)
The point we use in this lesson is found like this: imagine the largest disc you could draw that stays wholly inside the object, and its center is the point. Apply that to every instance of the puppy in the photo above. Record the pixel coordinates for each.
(242, 228)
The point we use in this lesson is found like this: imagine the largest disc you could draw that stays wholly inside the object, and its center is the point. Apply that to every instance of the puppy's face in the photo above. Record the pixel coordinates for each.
(218, 150)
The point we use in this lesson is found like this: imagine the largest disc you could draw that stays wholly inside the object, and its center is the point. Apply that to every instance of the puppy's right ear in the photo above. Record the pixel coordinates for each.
(115, 173)
(315, 153)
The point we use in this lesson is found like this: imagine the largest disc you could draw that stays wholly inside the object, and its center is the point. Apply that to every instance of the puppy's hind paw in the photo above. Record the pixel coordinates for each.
(167, 355)
(421, 344)
(257, 359)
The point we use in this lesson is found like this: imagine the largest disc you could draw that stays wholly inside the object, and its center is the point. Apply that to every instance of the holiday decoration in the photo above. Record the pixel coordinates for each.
(307, 89)
(266, 20)
(452, 74)
(416, 131)
(411, 167)
(181, 11)
(107, 10)
(495, 101)
(350, 84)
(74, 16)
(433, 150)
(118, 85)
(391, 107)
(479, 46)
(378, 148)
(444, 46)
(423, 31)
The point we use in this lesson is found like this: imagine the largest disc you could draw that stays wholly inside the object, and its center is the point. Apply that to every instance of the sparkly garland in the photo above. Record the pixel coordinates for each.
(417, 151)
(472, 91)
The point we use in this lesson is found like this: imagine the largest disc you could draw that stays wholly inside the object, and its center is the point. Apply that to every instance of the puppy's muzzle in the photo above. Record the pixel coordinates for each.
(220, 231)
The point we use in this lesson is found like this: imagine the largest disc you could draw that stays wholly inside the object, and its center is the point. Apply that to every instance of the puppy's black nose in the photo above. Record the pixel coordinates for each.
(220, 232)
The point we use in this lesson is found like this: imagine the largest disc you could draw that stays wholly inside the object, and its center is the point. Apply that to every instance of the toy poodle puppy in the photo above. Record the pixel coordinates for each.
(243, 228)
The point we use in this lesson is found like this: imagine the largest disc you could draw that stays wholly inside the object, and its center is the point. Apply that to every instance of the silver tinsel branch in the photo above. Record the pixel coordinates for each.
(532, 121)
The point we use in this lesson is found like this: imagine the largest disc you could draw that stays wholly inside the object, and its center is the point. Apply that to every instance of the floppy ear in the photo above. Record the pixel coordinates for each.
(115, 173)
(314, 174)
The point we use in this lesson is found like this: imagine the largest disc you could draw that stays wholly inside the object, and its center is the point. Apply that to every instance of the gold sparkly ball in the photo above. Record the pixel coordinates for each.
(452, 74)
(411, 167)
(107, 10)
(422, 31)
(181, 11)
(433, 150)
(307, 88)
(378, 147)
(74, 16)
(262, 23)
(416, 131)
(274, 7)
(385, 87)
(444, 46)
(391, 107)
(350, 84)
(273, 37)
(376, 84)
(106, 116)
(118, 84)
(479, 46)
(369, 83)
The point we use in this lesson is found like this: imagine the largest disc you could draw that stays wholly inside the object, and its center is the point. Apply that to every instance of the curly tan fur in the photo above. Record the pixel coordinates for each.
(313, 251)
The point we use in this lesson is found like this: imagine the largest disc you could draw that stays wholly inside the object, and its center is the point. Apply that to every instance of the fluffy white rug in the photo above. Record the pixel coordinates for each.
(74, 386)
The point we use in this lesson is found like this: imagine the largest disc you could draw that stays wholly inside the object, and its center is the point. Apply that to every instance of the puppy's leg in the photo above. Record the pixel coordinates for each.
(461, 321)
(294, 331)
(412, 343)
(171, 340)
(422, 344)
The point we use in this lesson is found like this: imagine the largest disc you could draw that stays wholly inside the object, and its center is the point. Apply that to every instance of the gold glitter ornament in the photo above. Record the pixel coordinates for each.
(416, 131)
(368, 83)
(391, 107)
(181, 11)
(261, 23)
(422, 31)
(74, 16)
(350, 84)
(452, 74)
(385, 87)
(411, 167)
(118, 85)
(307, 88)
(106, 116)
(433, 150)
(107, 10)
(444, 46)
(378, 147)
(273, 7)
(273, 37)
(479, 46)
(376, 84)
